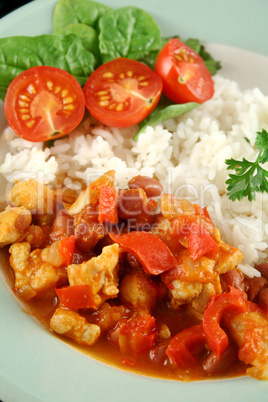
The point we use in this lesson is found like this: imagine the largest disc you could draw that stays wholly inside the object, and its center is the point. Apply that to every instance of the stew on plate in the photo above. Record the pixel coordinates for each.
(136, 277)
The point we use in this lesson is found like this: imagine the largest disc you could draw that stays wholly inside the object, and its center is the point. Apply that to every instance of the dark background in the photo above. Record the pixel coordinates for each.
(6, 6)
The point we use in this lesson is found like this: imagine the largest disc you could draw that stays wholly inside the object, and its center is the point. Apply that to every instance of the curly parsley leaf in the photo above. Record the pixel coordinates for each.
(250, 177)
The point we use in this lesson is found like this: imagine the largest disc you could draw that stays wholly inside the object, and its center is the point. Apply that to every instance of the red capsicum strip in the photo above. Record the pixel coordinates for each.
(182, 346)
(221, 307)
(76, 297)
(108, 205)
(153, 253)
(66, 249)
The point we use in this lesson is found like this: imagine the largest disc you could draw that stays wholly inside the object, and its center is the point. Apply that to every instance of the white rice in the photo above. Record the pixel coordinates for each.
(186, 154)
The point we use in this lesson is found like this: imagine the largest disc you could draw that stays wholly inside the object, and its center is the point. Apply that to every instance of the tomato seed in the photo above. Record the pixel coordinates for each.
(25, 117)
(100, 93)
(57, 89)
(68, 107)
(104, 103)
(68, 100)
(50, 85)
(108, 75)
(119, 107)
(64, 93)
(30, 123)
(31, 89)
(23, 104)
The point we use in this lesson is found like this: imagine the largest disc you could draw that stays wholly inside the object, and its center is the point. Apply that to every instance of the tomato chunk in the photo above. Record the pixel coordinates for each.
(197, 230)
(122, 92)
(43, 103)
(153, 253)
(135, 335)
(184, 74)
(76, 297)
(108, 205)
(185, 344)
(66, 249)
(221, 307)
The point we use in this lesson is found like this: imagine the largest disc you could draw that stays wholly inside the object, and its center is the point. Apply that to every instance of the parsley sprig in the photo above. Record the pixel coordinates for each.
(250, 177)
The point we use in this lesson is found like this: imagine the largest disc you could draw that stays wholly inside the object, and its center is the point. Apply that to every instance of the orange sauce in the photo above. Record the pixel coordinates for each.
(104, 351)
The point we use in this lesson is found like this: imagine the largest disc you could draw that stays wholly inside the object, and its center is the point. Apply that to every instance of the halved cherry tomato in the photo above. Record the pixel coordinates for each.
(122, 92)
(184, 74)
(43, 103)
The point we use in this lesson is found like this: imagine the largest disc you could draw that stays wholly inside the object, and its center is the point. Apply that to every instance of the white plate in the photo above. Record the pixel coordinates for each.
(35, 365)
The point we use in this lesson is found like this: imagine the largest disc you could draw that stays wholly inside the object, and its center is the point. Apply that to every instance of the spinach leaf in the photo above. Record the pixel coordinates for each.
(18, 53)
(87, 34)
(151, 57)
(212, 65)
(128, 32)
(165, 110)
(77, 11)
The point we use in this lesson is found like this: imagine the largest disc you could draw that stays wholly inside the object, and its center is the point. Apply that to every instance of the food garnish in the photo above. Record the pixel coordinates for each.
(250, 177)
(44, 103)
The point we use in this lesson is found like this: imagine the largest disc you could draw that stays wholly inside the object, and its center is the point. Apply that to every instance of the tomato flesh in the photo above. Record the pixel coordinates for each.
(184, 74)
(122, 92)
(43, 103)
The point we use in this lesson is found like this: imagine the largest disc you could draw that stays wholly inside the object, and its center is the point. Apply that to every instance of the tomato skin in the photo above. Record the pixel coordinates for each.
(122, 92)
(44, 103)
(184, 74)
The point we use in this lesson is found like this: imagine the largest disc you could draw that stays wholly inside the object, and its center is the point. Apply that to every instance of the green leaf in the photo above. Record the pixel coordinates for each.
(151, 57)
(128, 32)
(162, 113)
(68, 12)
(250, 177)
(18, 53)
(87, 34)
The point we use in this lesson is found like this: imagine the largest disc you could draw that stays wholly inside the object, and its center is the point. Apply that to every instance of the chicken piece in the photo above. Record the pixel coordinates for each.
(172, 207)
(99, 272)
(229, 257)
(14, 224)
(33, 276)
(162, 229)
(71, 324)
(108, 316)
(183, 292)
(91, 195)
(189, 270)
(250, 332)
(34, 196)
(208, 291)
(139, 291)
